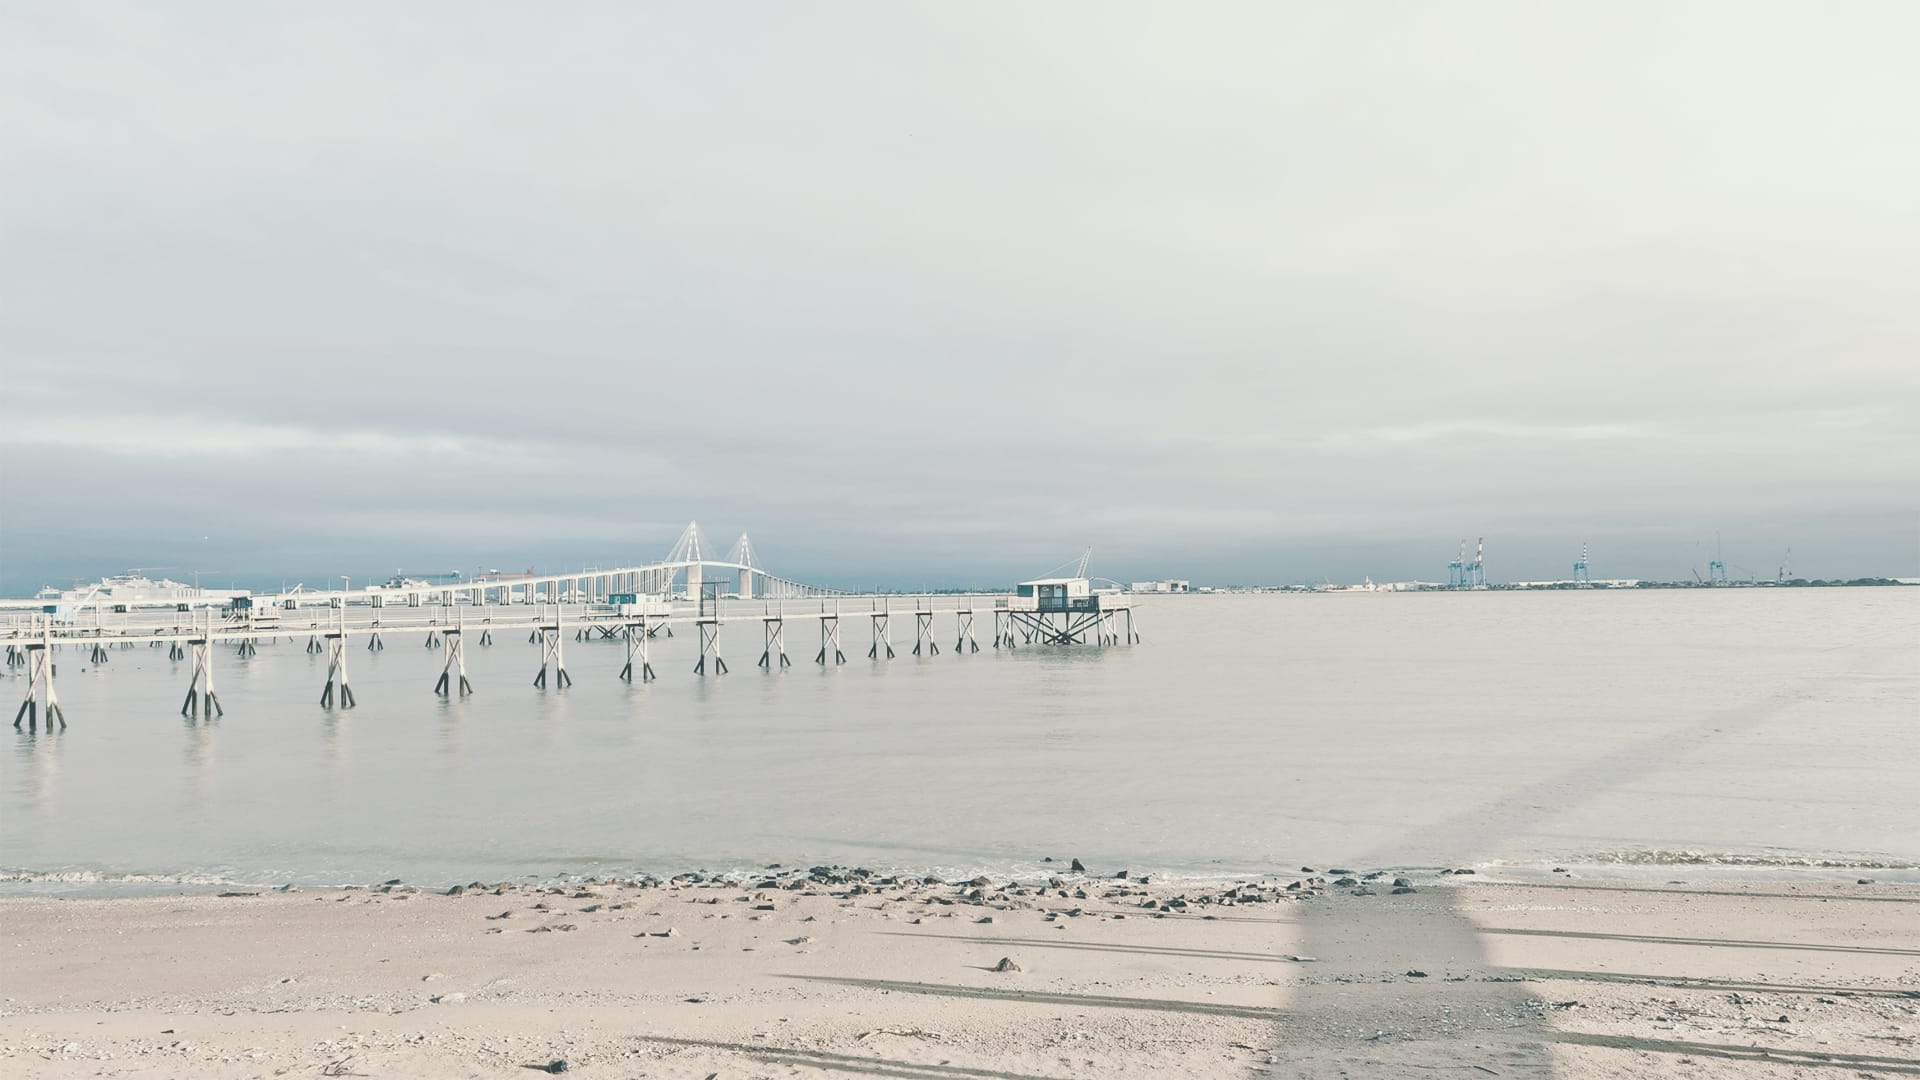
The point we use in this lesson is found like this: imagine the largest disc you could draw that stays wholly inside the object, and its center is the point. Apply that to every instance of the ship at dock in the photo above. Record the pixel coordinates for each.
(132, 590)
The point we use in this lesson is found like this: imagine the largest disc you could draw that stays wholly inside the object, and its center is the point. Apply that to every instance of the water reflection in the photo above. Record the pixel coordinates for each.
(39, 753)
(201, 737)
(333, 736)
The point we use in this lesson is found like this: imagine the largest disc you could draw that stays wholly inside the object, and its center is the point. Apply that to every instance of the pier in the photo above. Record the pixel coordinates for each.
(635, 605)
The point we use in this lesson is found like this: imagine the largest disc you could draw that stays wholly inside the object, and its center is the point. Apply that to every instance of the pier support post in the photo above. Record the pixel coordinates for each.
(965, 643)
(40, 694)
(637, 635)
(374, 644)
(454, 667)
(247, 648)
(710, 647)
(881, 636)
(1002, 628)
(551, 655)
(776, 642)
(923, 632)
(99, 654)
(830, 640)
(337, 688)
(200, 683)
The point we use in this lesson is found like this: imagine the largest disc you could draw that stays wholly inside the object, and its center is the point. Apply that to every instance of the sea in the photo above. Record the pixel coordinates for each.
(1670, 734)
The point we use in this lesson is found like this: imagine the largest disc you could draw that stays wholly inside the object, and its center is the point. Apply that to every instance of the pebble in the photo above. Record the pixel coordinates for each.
(454, 998)
(1006, 964)
(1077, 867)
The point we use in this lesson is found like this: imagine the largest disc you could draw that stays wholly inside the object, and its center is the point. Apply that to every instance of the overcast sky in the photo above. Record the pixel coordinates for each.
(940, 293)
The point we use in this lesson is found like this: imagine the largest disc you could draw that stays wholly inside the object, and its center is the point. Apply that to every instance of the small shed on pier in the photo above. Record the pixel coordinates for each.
(1058, 594)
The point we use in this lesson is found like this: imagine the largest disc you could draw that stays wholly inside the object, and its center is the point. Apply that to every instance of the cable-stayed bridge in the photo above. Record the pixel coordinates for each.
(689, 571)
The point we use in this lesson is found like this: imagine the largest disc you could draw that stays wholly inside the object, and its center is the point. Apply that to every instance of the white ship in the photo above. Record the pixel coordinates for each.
(134, 590)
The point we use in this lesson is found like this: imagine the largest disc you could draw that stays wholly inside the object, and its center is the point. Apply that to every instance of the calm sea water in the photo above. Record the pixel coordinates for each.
(1245, 734)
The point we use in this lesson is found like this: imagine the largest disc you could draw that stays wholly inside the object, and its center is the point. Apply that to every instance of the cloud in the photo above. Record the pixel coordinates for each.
(1394, 437)
(187, 435)
(946, 290)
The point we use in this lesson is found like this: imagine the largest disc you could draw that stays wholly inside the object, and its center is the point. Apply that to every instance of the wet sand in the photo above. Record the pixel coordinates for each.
(1463, 976)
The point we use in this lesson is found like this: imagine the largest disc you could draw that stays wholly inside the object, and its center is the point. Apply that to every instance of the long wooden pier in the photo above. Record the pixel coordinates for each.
(446, 619)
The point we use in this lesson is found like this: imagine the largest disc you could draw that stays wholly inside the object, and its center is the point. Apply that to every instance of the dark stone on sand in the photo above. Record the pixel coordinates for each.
(1463, 871)
(1055, 882)
(556, 1066)
(391, 881)
(1335, 870)
(1402, 883)
(1416, 973)
(1122, 875)
(1006, 964)
(981, 882)
(1864, 881)
(1346, 881)
(1078, 867)
(1559, 869)
(456, 890)
(1363, 891)
(1402, 890)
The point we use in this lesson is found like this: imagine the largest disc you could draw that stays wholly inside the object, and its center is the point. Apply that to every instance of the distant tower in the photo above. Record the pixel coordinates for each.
(1457, 569)
(1786, 567)
(1716, 570)
(1581, 575)
(1478, 569)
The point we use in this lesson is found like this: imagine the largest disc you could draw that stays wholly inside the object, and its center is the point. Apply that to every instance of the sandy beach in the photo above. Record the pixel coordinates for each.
(835, 972)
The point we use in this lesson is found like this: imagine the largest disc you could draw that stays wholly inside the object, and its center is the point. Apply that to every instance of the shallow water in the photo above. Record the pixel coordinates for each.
(1246, 734)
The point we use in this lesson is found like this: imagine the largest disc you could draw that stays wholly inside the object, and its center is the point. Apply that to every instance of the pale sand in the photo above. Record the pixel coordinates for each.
(1568, 979)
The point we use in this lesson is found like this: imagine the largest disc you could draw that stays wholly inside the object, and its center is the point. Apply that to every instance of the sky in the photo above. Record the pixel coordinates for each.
(926, 294)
